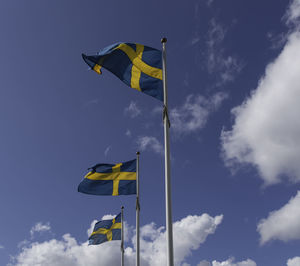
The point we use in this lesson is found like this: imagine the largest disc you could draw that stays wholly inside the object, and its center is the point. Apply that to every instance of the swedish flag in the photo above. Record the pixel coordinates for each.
(110, 179)
(106, 230)
(139, 66)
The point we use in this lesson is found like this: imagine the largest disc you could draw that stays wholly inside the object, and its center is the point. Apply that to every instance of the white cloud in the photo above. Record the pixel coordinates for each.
(293, 262)
(204, 263)
(282, 224)
(277, 40)
(227, 67)
(152, 143)
(216, 34)
(90, 103)
(193, 114)
(132, 110)
(68, 252)
(229, 262)
(189, 234)
(267, 128)
(195, 40)
(293, 13)
(23, 243)
(157, 110)
(107, 151)
(90, 230)
(128, 133)
(40, 227)
(209, 2)
(292, 19)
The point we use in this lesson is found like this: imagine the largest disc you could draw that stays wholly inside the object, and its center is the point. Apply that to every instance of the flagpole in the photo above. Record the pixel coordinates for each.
(122, 237)
(137, 211)
(169, 225)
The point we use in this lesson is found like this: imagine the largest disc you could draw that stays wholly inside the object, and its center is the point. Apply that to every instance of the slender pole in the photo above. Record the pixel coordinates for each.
(169, 225)
(122, 237)
(137, 211)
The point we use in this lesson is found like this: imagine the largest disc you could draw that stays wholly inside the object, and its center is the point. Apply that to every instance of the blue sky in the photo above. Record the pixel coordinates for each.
(233, 97)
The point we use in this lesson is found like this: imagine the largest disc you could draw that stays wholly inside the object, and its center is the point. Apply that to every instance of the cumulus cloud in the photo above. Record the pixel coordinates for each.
(40, 227)
(68, 252)
(189, 234)
(204, 263)
(229, 262)
(293, 13)
(193, 114)
(293, 262)
(266, 130)
(149, 142)
(132, 110)
(227, 67)
(90, 230)
(282, 224)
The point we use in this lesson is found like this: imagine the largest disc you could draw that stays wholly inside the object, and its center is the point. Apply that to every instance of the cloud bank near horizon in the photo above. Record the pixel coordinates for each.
(189, 233)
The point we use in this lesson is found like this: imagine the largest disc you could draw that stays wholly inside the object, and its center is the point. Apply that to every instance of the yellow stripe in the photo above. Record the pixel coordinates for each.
(102, 231)
(135, 72)
(111, 176)
(108, 232)
(109, 235)
(116, 187)
(116, 168)
(137, 62)
(97, 69)
(116, 226)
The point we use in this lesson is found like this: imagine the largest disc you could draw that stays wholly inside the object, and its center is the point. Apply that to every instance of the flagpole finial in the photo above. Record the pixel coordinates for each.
(164, 40)
(137, 153)
(122, 207)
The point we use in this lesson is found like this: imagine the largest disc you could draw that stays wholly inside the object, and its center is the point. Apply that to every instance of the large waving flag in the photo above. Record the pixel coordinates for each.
(106, 230)
(139, 66)
(110, 179)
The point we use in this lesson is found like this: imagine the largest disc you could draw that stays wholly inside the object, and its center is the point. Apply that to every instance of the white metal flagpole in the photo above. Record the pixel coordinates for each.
(137, 211)
(169, 225)
(122, 236)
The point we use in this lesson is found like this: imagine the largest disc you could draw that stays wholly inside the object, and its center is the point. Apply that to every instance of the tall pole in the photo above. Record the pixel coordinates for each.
(137, 211)
(122, 237)
(169, 225)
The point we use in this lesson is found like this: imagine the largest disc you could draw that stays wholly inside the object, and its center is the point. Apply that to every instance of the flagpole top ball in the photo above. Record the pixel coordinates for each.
(137, 153)
(164, 40)
(122, 207)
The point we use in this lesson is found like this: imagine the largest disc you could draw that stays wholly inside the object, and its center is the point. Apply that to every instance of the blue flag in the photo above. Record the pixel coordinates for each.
(106, 230)
(138, 66)
(110, 179)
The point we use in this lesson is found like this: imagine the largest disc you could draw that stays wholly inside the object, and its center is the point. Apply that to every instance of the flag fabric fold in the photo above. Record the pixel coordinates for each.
(106, 230)
(110, 179)
(138, 66)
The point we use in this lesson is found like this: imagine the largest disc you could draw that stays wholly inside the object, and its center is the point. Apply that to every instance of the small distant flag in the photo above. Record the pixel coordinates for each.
(139, 66)
(110, 179)
(106, 230)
